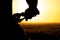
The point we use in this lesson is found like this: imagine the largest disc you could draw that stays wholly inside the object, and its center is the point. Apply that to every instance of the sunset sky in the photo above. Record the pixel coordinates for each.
(49, 11)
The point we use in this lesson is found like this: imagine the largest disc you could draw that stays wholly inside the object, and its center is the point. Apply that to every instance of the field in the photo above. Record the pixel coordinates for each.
(46, 28)
(42, 31)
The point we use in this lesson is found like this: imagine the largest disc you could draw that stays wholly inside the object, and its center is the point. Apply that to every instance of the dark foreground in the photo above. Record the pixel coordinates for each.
(42, 36)
(43, 32)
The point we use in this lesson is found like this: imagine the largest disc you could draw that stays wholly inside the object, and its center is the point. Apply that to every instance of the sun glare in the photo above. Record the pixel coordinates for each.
(49, 11)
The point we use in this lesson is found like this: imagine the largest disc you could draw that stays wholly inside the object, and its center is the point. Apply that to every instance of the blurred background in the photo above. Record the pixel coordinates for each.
(48, 21)
(49, 10)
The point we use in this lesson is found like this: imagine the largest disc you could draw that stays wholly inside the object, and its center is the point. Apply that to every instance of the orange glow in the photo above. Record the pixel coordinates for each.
(49, 11)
